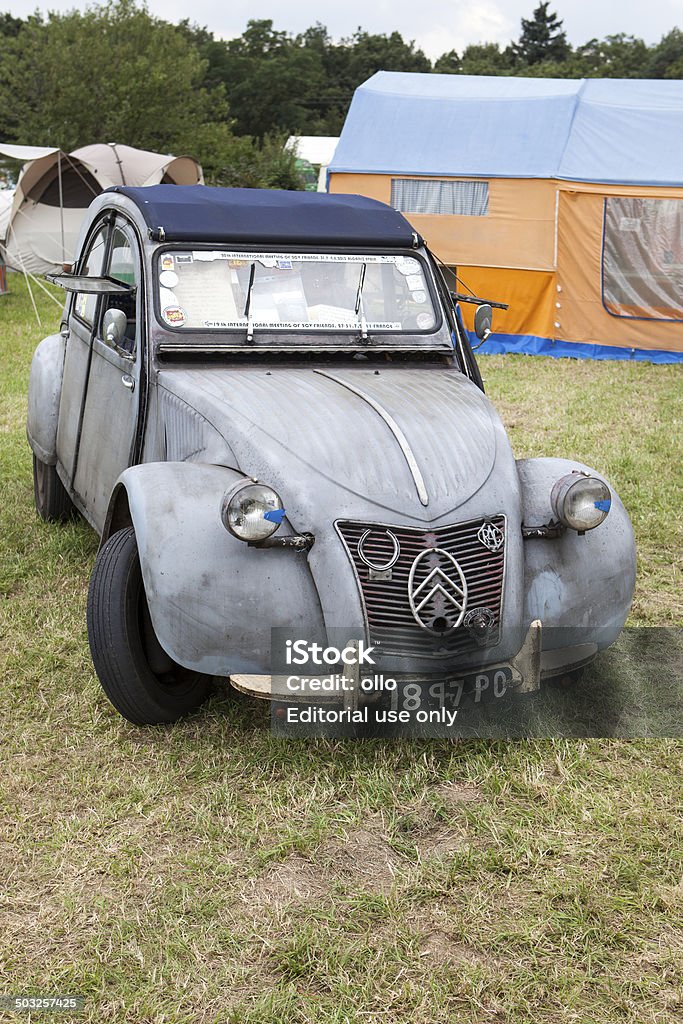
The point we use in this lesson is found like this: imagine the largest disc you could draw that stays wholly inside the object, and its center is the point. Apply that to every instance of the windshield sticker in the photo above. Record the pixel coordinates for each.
(208, 256)
(183, 257)
(405, 265)
(168, 278)
(415, 282)
(167, 262)
(305, 325)
(284, 264)
(420, 297)
(425, 321)
(175, 316)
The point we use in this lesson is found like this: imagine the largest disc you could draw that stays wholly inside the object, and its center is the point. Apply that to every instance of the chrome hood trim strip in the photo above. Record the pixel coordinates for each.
(400, 437)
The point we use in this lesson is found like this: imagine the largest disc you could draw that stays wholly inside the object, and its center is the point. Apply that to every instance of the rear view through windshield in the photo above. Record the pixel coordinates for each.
(217, 290)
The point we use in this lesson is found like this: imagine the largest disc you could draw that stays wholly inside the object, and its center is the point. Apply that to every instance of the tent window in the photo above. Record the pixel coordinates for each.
(642, 258)
(463, 198)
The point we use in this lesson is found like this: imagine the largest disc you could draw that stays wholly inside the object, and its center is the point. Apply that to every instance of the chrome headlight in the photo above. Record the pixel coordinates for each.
(252, 512)
(580, 502)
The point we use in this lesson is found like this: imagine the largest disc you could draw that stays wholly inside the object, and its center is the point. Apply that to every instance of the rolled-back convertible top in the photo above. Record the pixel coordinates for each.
(199, 213)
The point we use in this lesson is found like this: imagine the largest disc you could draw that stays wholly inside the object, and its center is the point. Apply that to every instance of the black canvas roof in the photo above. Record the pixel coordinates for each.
(199, 213)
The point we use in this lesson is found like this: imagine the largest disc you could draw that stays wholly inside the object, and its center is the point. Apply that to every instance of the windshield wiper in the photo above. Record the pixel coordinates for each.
(247, 306)
(362, 322)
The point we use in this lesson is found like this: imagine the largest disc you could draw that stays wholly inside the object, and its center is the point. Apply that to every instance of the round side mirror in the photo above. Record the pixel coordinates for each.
(114, 325)
(483, 319)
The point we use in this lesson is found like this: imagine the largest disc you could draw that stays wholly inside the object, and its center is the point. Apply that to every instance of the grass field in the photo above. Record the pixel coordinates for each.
(209, 872)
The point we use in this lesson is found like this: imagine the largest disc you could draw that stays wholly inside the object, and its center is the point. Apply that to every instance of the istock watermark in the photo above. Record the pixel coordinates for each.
(355, 686)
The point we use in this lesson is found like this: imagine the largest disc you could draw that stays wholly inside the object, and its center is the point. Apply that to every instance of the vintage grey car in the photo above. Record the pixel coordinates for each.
(268, 407)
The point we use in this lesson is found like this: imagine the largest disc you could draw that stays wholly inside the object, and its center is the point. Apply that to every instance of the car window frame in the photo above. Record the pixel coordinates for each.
(102, 223)
(119, 221)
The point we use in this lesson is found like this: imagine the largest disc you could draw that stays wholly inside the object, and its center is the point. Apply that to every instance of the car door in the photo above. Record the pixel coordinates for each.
(107, 439)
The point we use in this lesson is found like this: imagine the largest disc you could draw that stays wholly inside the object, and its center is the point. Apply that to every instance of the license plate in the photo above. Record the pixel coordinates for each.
(453, 694)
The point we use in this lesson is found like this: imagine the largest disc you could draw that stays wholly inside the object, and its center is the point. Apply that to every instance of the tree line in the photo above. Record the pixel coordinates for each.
(117, 73)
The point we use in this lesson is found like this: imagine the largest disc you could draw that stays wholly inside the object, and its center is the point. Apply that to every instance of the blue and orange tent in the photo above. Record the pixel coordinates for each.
(563, 198)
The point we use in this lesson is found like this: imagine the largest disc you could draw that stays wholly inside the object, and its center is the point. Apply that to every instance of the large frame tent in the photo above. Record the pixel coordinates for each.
(563, 198)
(55, 189)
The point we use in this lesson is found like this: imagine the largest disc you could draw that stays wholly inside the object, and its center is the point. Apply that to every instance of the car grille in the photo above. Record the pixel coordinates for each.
(385, 593)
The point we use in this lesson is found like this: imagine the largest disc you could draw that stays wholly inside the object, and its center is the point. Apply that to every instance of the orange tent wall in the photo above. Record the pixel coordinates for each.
(539, 249)
(518, 231)
(579, 313)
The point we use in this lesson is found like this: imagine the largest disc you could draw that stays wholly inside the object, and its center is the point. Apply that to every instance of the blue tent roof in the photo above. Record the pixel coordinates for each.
(198, 213)
(623, 131)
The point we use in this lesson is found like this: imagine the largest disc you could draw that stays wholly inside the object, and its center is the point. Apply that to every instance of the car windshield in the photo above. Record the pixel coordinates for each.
(200, 290)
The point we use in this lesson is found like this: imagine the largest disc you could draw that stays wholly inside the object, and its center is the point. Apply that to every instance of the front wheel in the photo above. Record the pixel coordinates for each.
(140, 679)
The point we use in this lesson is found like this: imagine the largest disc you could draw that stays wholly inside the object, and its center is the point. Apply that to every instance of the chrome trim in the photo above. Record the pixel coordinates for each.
(394, 428)
(417, 529)
(451, 591)
(491, 537)
(386, 565)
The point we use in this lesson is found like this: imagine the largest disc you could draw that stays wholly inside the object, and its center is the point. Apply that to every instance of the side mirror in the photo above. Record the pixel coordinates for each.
(114, 325)
(482, 321)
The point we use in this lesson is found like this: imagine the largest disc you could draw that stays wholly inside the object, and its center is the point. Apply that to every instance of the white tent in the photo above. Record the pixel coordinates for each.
(55, 189)
(6, 197)
(317, 150)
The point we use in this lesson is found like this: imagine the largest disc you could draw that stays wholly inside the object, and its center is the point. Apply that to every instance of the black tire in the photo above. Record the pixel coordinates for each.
(142, 682)
(53, 504)
(566, 680)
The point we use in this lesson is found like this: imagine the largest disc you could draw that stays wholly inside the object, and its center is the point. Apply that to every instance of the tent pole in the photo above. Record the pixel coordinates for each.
(26, 276)
(61, 203)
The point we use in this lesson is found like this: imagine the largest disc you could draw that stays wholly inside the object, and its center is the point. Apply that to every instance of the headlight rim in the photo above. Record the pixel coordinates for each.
(269, 527)
(561, 490)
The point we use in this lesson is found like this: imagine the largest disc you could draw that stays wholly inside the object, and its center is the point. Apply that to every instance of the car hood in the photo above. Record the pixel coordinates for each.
(418, 442)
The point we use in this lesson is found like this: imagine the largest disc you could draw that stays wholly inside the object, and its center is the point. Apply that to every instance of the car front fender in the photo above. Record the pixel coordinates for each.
(213, 599)
(580, 587)
(44, 393)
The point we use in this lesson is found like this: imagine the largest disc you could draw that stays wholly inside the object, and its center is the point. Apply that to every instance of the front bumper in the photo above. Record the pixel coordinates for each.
(527, 668)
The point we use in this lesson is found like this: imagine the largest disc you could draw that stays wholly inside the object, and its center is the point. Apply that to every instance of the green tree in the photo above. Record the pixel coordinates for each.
(268, 78)
(666, 58)
(112, 73)
(448, 63)
(275, 82)
(369, 53)
(487, 59)
(542, 38)
(616, 56)
(9, 25)
(252, 164)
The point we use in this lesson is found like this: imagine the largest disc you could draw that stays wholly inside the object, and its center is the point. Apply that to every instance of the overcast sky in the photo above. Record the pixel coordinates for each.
(435, 25)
